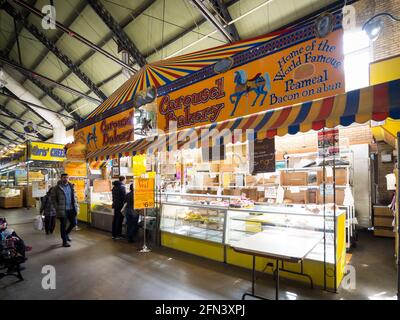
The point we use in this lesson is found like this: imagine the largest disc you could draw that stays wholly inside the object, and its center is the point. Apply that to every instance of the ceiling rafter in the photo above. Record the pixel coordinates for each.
(4, 137)
(20, 26)
(122, 39)
(19, 134)
(54, 49)
(13, 96)
(222, 9)
(47, 90)
(213, 20)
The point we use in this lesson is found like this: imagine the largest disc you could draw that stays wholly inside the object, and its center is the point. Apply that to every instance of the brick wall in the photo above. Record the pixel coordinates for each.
(388, 43)
(307, 142)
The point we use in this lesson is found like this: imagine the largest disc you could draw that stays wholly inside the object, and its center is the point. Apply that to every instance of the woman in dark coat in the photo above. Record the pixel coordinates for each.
(131, 215)
(49, 212)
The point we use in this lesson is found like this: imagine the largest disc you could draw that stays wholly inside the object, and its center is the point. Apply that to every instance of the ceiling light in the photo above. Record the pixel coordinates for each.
(374, 26)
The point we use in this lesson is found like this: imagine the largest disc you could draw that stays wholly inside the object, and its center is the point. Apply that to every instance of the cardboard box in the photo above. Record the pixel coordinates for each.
(383, 221)
(384, 232)
(294, 178)
(329, 198)
(231, 192)
(251, 193)
(340, 174)
(214, 167)
(227, 167)
(295, 197)
(382, 211)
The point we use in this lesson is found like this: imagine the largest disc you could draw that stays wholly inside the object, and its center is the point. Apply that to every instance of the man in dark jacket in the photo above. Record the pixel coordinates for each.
(65, 201)
(118, 199)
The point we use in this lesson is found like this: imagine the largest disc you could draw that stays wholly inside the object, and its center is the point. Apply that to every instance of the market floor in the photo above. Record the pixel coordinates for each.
(96, 267)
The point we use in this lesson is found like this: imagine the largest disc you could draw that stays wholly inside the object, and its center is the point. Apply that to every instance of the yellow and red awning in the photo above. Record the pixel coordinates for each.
(376, 102)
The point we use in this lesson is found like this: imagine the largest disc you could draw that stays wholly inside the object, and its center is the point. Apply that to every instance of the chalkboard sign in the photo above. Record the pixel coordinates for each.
(262, 157)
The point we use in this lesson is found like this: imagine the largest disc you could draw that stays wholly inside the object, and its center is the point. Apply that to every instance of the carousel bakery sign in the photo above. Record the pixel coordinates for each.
(111, 130)
(188, 110)
(107, 132)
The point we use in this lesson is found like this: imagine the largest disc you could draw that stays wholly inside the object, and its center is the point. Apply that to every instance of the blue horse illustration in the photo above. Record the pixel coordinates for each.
(92, 136)
(261, 85)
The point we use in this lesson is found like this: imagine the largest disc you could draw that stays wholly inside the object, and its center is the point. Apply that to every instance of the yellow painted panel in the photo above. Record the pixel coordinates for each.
(385, 70)
(197, 247)
(83, 212)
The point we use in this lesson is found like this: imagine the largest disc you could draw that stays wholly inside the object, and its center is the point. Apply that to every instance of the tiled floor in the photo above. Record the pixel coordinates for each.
(96, 267)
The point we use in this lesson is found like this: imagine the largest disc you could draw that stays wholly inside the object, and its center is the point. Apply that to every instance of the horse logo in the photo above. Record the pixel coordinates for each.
(92, 136)
(261, 85)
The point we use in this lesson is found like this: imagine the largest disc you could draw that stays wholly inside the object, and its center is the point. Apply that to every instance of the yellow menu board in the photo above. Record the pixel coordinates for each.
(143, 195)
(75, 169)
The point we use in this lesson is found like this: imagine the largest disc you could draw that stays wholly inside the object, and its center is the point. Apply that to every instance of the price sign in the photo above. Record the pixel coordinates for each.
(143, 195)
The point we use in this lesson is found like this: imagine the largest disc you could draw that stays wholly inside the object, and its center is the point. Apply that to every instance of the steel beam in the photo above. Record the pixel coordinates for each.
(24, 102)
(21, 121)
(213, 20)
(75, 35)
(222, 9)
(122, 38)
(54, 49)
(4, 137)
(20, 26)
(19, 134)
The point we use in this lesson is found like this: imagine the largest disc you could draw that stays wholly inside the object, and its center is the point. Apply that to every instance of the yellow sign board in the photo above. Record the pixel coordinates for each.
(79, 188)
(75, 169)
(42, 151)
(143, 193)
(113, 130)
(307, 70)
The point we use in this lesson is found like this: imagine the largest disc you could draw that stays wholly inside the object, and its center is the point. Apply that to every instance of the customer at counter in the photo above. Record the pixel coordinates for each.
(118, 199)
(131, 215)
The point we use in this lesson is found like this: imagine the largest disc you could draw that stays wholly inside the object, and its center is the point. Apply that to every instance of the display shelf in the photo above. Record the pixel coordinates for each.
(314, 168)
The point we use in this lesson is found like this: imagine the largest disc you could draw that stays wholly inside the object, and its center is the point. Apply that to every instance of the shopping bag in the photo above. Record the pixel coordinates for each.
(38, 223)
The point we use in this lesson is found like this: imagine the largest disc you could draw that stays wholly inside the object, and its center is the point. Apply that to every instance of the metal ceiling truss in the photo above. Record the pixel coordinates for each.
(4, 137)
(33, 77)
(54, 49)
(75, 35)
(19, 134)
(123, 24)
(18, 30)
(122, 38)
(21, 121)
(24, 102)
(215, 21)
(7, 93)
(222, 10)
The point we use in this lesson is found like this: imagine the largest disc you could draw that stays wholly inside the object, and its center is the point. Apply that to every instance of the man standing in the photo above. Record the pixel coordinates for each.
(65, 202)
(118, 199)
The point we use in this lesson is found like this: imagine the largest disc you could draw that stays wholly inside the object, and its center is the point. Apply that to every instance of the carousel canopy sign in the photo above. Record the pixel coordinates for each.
(110, 131)
(295, 67)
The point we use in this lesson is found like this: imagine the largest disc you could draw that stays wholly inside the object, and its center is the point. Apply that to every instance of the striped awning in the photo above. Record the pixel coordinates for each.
(376, 102)
(121, 150)
(164, 72)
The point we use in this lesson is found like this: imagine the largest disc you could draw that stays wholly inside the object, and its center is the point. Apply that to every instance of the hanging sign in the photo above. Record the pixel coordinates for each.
(262, 158)
(110, 131)
(328, 142)
(101, 185)
(39, 189)
(43, 151)
(143, 196)
(291, 68)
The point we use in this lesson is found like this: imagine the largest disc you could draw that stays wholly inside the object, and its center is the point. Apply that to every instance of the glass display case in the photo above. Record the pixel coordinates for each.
(228, 219)
(198, 216)
(242, 223)
(101, 201)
